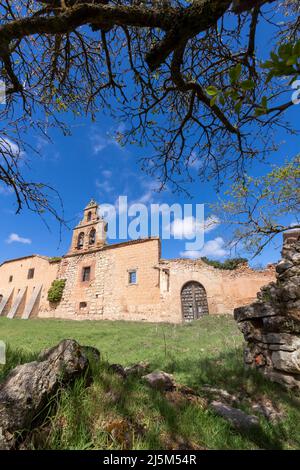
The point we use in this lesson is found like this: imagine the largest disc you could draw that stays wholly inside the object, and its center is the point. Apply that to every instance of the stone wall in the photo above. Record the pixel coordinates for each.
(14, 279)
(225, 289)
(108, 294)
(271, 324)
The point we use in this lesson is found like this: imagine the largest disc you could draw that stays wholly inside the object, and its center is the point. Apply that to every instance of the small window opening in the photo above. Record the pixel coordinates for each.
(92, 237)
(86, 273)
(132, 277)
(80, 240)
(30, 274)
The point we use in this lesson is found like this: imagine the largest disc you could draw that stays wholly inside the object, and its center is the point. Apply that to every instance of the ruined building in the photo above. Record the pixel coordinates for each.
(123, 281)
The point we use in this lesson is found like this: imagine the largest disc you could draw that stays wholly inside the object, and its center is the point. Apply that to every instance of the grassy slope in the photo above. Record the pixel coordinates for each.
(116, 414)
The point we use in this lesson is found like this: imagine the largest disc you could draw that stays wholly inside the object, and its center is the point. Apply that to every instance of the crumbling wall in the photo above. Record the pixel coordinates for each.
(271, 324)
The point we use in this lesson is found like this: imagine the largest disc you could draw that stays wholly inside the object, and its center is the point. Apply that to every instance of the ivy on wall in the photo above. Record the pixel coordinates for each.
(55, 292)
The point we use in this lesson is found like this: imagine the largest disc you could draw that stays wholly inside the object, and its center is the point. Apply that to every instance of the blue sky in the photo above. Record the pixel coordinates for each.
(90, 164)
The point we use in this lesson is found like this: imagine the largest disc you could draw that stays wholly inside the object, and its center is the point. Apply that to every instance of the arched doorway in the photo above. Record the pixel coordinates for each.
(193, 301)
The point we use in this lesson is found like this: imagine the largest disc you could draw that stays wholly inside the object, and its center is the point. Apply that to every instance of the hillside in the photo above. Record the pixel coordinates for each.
(113, 413)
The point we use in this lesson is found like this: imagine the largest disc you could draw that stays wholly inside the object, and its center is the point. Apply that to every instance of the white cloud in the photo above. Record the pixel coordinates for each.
(150, 189)
(6, 190)
(106, 173)
(14, 237)
(104, 186)
(189, 226)
(9, 147)
(212, 249)
(101, 141)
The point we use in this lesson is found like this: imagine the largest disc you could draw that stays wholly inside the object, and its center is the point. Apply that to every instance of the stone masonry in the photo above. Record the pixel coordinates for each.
(271, 324)
(123, 281)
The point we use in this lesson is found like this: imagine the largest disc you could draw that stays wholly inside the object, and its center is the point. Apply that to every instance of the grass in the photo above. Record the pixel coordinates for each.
(117, 414)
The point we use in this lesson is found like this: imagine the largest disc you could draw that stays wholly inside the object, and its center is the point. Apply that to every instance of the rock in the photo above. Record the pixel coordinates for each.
(220, 394)
(286, 380)
(160, 380)
(137, 369)
(51, 352)
(267, 409)
(92, 352)
(235, 416)
(258, 309)
(118, 369)
(287, 361)
(283, 266)
(26, 391)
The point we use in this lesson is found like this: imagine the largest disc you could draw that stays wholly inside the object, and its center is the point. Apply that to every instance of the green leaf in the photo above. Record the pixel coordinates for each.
(264, 102)
(267, 65)
(259, 111)
(213, 100)
(238, 107)
(235, 73)
(248, 85)
(285, 51)
(269, 77)
(296, 50)
(222, 99)
(212, 90)
(292, 60)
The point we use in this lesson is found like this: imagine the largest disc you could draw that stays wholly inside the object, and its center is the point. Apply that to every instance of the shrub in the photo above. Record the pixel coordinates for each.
(54, 259)
(56, 290)
(229, 264)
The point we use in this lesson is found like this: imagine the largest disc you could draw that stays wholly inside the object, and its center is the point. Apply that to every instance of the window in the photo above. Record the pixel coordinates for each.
(30, 274)
(132, 277)
(80, 240)
(86, 274)
(82, 305)
(89, 216)
(10, 278)
(92, 237)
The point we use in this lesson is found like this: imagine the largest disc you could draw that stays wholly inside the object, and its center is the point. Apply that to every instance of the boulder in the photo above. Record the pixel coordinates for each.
(137, 369)
(235, 416)
(160, 380)
(118, 369)
(26, 392)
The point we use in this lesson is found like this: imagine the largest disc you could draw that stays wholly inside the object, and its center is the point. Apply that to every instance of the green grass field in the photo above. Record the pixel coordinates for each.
(116, 414)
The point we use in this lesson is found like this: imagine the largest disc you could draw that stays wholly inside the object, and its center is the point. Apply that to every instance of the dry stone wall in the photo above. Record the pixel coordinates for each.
(271, 324)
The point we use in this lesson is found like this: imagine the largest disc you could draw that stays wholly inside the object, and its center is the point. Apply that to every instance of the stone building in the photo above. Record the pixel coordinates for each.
(123, 281)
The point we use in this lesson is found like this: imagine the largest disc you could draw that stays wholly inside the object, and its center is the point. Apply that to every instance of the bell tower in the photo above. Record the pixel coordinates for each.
(90, 233)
